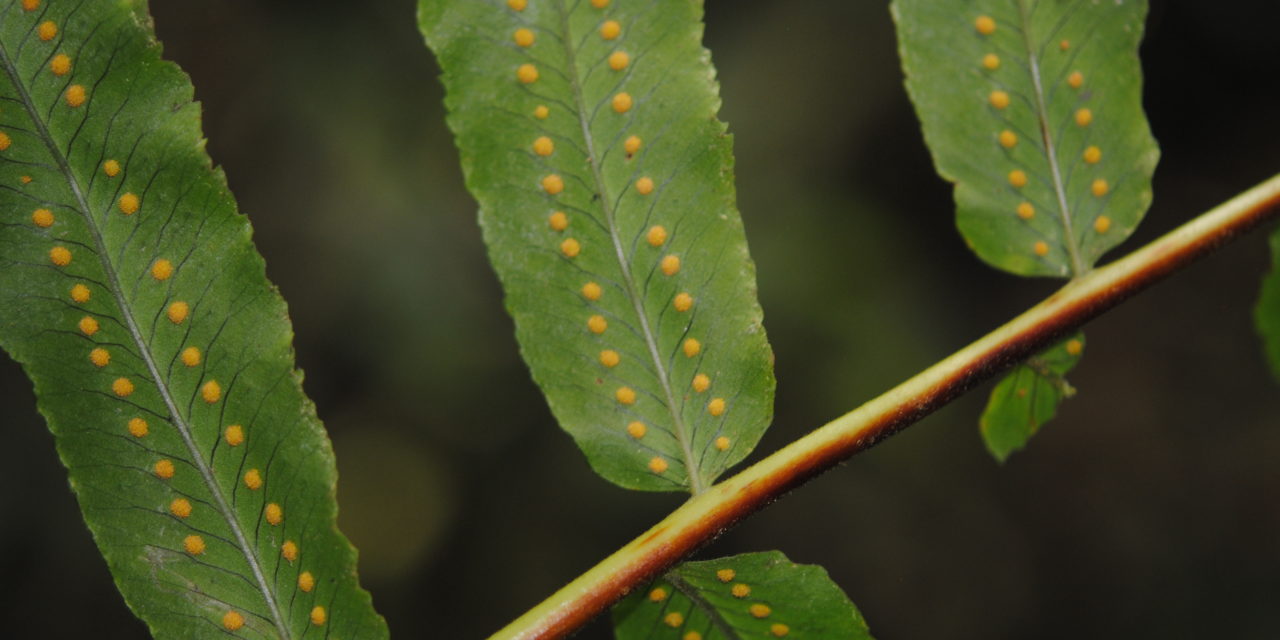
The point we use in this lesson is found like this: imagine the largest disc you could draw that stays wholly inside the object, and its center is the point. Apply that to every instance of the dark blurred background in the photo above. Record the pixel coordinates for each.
(1149, 509)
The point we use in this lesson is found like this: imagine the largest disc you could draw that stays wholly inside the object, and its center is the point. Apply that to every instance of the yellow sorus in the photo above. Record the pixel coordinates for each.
(164, 469)
(622, 102)
(129, 204)
(60, 256)
(625, 395)
(637, 429)
(232, 621)
(691, 347)
(558, 221)
(47, 30)
(88, 325)
(42, 218)
(138, 427)
(597, 324)
(76, 95)
(100, 357)
(716, 406)
(670, 265)
(162, 270)
(178, 311)
(527, 73)
(180, 507)
(193, 544)
(122, 387)
(60, 65)
(211, 392)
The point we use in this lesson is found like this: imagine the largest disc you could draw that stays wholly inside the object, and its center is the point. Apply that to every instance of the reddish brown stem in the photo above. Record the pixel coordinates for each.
(707, 515)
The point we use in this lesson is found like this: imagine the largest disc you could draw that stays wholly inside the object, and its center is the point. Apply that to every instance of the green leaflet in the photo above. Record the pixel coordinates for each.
(588, 136)
(160, 354)
(1033, 108)
(1267, 313)
(1028, 397)
(753, 595)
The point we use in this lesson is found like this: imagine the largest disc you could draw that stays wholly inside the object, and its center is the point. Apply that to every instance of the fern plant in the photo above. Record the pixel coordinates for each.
(589, 138)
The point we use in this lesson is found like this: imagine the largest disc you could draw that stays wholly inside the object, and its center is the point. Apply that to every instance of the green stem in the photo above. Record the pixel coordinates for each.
(707, 515)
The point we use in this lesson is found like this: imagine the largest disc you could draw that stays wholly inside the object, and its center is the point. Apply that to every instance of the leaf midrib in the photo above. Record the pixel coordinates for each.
(117, 293)
(1078, 267)
(690, 462)
(713, 614)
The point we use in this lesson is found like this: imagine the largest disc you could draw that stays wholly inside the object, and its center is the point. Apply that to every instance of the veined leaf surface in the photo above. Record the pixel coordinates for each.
(1028, 397)
(1267, 313)
(753, 595)
(1033, 108)
(588, 136)
(132, 295)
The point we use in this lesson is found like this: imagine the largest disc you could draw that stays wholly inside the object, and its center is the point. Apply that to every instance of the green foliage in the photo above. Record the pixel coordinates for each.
(1028, 397)
(132, 295)
(753, 595)
(588, 136)
(1267, 314)
(1034, 111)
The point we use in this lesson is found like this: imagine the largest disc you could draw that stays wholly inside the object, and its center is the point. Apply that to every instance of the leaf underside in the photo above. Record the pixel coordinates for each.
(133, 297)
(1028, 397)
(1267, 313)
(588, 136)
(753, 595)
(1033, 109)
